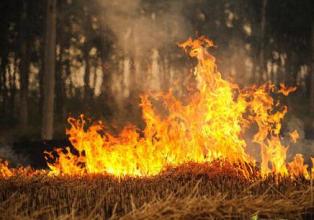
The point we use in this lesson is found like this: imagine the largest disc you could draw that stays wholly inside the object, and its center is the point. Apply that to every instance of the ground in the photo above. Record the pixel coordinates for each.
(192, 191)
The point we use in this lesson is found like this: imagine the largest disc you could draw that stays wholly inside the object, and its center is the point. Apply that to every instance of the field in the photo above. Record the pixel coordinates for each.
(192, 191)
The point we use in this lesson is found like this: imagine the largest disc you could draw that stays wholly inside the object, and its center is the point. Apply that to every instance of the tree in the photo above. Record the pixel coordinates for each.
(312, 71)
(262, 42)
(49, 71)
(24, 67)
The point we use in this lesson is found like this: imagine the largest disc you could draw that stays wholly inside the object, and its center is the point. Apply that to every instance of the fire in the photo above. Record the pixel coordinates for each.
(286, 90)
(297, 167)
(294, 136)
(5, 171)
(210, 125)
(312, 170)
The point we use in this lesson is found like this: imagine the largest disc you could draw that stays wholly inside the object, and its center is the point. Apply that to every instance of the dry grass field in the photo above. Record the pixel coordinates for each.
(192, 191)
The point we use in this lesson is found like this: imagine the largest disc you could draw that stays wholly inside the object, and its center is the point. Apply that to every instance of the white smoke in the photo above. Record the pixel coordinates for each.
(144, 34)
(7, 153)
(302, 146)
(139, 29)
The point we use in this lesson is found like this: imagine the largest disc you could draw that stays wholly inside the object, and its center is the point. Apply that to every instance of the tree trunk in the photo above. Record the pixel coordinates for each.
(87, 88)
(312, 72)
(49, 71)
(262, 66)
(60, 85)
(106, 71)
(13, 88)
(3, 82)
(24, 69)
(3, 91)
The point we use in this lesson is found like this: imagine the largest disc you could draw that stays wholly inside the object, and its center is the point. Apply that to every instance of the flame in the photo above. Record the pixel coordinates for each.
(286, 90)
(294, 136)
(298, 168)
(5, 171)
(312, 170)
(209, 125)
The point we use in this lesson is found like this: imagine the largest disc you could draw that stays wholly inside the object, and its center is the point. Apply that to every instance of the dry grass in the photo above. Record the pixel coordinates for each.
(189, 192)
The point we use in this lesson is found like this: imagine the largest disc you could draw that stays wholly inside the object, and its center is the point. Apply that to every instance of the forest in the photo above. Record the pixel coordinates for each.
(96, 57)
(145, 109)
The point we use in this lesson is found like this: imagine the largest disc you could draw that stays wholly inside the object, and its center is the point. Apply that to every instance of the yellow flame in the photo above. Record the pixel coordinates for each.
(5, 171)
(210, 125)
(312, 170)
(298, 168)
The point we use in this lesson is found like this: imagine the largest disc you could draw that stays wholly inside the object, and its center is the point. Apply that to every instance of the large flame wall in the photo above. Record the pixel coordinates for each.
(210, 124)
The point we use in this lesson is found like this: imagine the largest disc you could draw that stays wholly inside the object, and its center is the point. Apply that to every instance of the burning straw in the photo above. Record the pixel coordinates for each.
(176, 194)
(188, 163)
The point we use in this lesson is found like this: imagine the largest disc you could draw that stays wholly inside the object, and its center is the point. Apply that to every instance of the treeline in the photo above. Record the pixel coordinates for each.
(76, 56)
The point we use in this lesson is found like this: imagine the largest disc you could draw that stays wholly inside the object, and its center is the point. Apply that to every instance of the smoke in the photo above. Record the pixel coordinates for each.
(145, 37)
(302, 146)
(7, 153)
(146, 33)
(141, 26)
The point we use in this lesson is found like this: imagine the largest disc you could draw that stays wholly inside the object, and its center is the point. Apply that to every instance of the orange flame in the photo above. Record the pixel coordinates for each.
(210, 126)
(5, 171)
(286, 90)
(294, 136)
(298, 168)
(312, 170)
